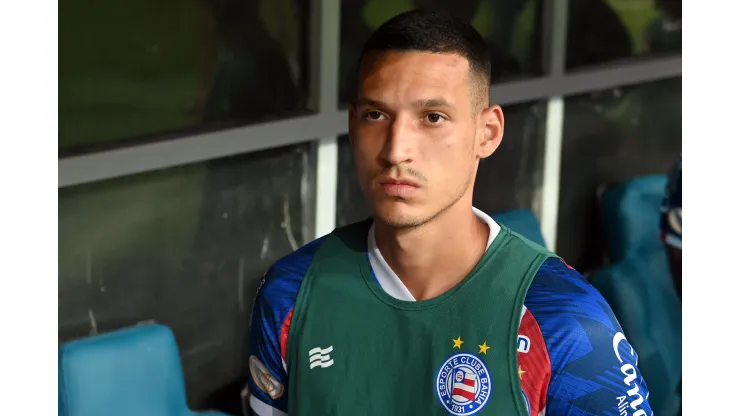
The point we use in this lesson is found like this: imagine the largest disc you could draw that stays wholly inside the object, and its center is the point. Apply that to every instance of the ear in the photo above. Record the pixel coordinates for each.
(490, 131)
(351, 119)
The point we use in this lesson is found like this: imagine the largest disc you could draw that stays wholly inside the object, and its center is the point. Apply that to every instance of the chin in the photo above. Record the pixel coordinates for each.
(400, 215)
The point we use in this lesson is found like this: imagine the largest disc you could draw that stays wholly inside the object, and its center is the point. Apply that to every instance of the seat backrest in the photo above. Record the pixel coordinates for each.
(134, 371)
(524, 222)
(640, 292)
(638, 285)
(631, 215)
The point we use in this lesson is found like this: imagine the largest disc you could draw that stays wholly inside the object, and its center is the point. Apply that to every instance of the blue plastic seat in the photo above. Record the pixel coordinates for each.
(524, 222)
(134, 371)
(638, 286)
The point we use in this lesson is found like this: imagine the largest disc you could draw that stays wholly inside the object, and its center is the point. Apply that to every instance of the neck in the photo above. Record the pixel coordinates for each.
(432, 258)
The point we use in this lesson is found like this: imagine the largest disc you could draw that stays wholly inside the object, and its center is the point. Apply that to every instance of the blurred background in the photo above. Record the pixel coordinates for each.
(201, 140)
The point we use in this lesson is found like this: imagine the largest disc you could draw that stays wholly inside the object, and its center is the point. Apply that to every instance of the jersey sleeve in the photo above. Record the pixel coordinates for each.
(594, 368)
(266, 393)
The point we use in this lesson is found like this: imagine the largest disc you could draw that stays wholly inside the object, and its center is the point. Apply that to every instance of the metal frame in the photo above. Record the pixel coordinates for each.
(556, 36)
(329, 121)
(326, 18)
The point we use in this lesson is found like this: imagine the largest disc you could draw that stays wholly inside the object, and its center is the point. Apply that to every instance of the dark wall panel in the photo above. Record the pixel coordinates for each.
(609, 137)
(185, 247)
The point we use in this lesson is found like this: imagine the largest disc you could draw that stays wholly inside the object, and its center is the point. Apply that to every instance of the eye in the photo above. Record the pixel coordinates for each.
(374, 116)
(434, 119)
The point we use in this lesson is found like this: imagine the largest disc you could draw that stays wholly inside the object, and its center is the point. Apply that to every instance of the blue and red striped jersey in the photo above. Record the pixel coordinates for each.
(573, 357)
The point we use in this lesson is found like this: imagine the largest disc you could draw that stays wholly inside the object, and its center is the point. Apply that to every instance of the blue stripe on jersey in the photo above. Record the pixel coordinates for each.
(275, 298)
(579, 329)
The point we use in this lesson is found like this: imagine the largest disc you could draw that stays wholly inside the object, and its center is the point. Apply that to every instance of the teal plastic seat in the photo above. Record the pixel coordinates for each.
(638, 286)
(134, 371)
(524, 222)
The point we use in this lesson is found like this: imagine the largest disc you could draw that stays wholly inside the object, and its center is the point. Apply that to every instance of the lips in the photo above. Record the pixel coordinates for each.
(402, 182)
(399, 188)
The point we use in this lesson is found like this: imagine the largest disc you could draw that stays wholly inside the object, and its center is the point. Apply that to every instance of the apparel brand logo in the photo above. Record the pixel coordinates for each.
(319, 357)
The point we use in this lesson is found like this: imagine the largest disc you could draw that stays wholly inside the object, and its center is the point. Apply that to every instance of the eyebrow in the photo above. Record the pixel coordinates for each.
(369, 102)
(421, 104)
(432, 102)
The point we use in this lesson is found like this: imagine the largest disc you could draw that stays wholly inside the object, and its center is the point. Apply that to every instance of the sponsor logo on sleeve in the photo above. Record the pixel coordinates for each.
(264, 380)
(629, 404)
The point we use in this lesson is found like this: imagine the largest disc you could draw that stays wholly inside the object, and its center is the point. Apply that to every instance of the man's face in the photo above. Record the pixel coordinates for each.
(417, 136)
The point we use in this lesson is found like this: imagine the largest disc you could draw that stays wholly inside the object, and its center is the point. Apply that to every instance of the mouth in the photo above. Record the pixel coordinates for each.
(403, 182)
(399, 188)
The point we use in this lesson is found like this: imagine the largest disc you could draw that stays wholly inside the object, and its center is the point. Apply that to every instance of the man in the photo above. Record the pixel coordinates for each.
(431, 307)
(670, 223)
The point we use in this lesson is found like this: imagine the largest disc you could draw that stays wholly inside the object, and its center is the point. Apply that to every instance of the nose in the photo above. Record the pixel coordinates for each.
(399, 143)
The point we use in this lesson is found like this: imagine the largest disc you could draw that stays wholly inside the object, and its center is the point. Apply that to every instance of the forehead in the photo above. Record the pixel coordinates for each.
(403, 74)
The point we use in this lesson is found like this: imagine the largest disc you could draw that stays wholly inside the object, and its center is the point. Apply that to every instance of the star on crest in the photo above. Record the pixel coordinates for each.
(458, 343)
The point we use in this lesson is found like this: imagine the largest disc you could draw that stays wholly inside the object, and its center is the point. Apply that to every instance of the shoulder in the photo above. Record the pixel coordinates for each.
(278, 290)
(560, 295)
(594, 368)
(275, 299)
(269, 327)
(282, 281)
(573, 316)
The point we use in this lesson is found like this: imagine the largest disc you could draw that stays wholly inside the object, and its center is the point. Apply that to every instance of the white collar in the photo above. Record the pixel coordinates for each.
(389, 280)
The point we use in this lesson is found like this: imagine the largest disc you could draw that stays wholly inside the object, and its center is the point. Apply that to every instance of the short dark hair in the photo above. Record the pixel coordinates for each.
(435, 32)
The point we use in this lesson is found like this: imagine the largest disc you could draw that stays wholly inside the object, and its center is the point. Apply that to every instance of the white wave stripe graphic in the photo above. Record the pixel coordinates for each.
(318, 350)
(320, 357)
(321, 363)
